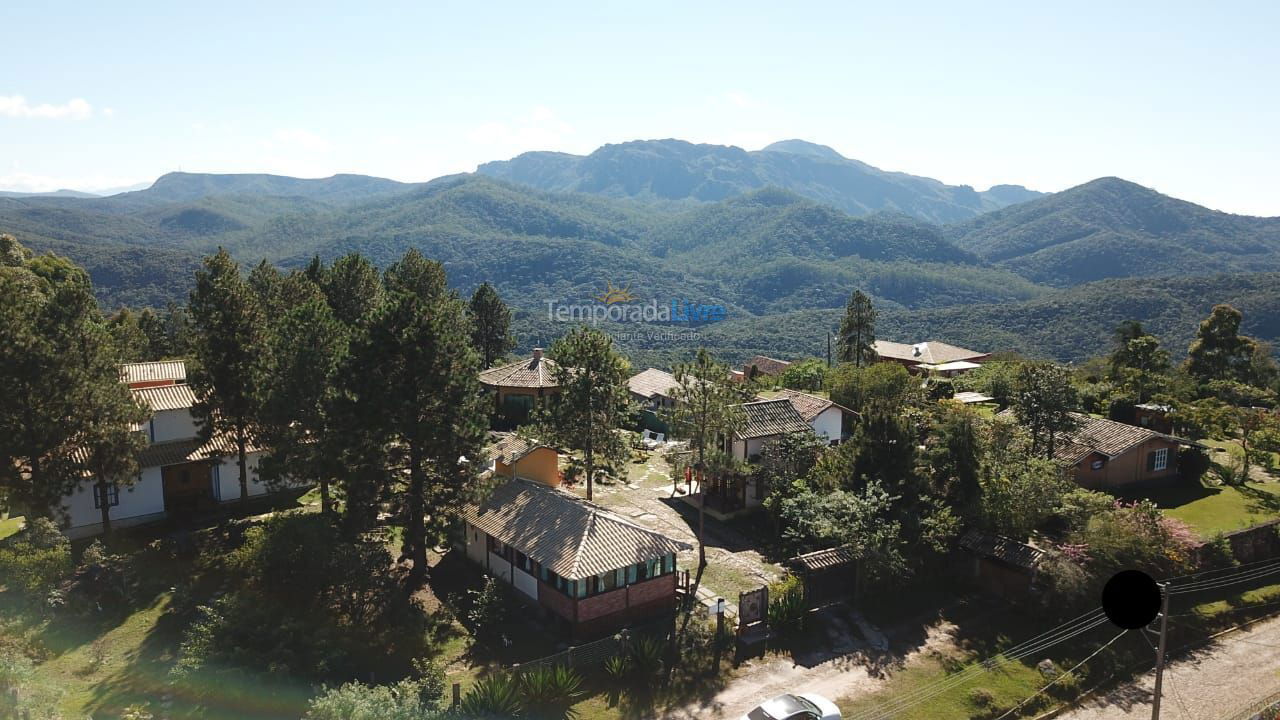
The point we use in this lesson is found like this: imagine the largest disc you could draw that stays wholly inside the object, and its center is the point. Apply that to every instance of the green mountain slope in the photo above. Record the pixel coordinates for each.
(1113, 228)
(672, 170)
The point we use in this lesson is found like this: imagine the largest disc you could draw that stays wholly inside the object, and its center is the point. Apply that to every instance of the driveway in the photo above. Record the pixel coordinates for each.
(1211, 683)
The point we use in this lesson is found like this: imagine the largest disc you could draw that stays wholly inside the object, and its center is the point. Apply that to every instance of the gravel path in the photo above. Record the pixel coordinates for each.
(1211, 683)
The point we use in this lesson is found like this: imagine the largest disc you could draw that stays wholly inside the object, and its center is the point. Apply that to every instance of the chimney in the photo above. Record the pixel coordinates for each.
(537, 354)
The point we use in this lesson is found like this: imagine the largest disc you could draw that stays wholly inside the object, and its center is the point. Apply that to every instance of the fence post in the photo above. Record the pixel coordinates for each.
(457, 695)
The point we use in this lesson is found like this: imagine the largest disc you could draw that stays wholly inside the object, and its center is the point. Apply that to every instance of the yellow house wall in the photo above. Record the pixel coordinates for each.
(541, 465)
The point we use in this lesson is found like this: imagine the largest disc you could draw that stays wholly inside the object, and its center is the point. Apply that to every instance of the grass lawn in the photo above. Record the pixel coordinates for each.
(1006, 687)
(9, 525)
(1214, 509)
(1264, 596)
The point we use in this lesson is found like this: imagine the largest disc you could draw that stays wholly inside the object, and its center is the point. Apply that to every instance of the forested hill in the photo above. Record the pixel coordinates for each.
(1114, 228)
(1069, 325)
(678, 170)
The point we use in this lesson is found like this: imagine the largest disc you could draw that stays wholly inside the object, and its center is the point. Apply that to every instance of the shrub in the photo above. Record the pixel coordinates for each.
(1193, 463)
(1066, 687)
(981, 697)
(786, 606)
(617, 668)
(34, 560)
(354, 701)
(488, 611)
(494, 697)
(646, 656)
(549, 691)
(306, 602)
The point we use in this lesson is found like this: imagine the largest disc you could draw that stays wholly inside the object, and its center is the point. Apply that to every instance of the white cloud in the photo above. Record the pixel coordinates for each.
(16, 106)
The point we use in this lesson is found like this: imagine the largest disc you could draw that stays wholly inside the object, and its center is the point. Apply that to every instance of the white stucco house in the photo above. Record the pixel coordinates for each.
(181, 475)
(825, 416)
(763, 421)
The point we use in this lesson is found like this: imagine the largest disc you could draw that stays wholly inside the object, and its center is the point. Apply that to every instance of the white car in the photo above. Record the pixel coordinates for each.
(803, 706)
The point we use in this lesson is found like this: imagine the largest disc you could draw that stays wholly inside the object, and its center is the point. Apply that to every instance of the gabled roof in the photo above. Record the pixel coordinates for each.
(165, 397)
(929, 353)
(809, 406)
(175, 370)
(764, 418)
(653, 382)
(568, 535)
(510, 447)
(1001, 548)
(528, 373)
(766, 365)
(1101, 435)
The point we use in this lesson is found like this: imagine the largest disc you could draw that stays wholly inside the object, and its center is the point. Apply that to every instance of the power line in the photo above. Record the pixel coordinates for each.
(1225, 581)
(1092, 655)
(1060, 634)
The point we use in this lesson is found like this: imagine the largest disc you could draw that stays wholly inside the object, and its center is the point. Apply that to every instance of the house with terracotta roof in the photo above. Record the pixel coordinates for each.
(758, 365)
(1103, 454)
(181, 474)
(931, 356)
(520, 386)
(513, 456)
(824, 415)
(591, 570)
(762, 421)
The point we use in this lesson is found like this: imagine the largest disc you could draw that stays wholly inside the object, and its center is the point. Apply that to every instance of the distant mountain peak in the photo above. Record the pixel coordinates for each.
(803, 147)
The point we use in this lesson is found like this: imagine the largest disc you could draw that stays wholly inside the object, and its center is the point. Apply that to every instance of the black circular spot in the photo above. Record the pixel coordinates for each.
(1131, 599)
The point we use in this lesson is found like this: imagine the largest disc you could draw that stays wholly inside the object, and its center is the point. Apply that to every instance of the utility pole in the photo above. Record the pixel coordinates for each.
(1164, 626)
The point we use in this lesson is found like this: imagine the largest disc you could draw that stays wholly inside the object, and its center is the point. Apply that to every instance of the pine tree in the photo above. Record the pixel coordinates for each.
(307, 348)
(858, 331)
(593, 400)
(706, 410)
(418, 385)
(490, 325)
(353, 288)
(230, 343)
(65, 411)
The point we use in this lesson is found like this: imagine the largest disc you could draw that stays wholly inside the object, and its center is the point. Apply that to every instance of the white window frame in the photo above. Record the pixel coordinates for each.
(1162, 460)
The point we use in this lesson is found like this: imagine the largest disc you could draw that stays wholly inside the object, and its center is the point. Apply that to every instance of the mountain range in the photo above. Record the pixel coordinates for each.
(779, 236)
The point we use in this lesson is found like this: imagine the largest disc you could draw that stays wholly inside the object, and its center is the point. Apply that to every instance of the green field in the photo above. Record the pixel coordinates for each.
(1223, 508)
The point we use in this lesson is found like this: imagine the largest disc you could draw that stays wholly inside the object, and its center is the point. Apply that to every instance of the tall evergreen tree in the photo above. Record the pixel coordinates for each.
(490, 325)
(858, 331)
(353, 288)
(419, 387)
(307, 348)
(706, 410)
(1141, 365)
(65, 412)
(1043, 402)
(1219, 351)
(593, 401)
(108, 444)
(229, 370)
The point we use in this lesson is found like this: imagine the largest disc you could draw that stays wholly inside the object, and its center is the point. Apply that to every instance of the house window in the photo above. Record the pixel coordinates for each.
(1160, 459)
(668, 563)
(112, 493)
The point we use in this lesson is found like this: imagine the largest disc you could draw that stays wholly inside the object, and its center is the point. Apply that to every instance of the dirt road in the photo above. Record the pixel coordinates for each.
(1211, 683)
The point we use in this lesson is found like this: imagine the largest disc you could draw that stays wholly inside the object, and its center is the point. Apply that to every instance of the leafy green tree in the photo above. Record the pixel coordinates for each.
(230, 348)
(419, 393)
(885, 386)
(129, 336)
(1043, 403)
(1141, 366)
(593, 401)
(307, 348)
(858, 331)
(1219, 351)
(707, 410)
(490, 325)
(808, 374)
(862, 519)
(1018, 496)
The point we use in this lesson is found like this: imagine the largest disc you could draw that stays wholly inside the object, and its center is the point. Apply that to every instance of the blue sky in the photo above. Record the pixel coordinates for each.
(1182, 97)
